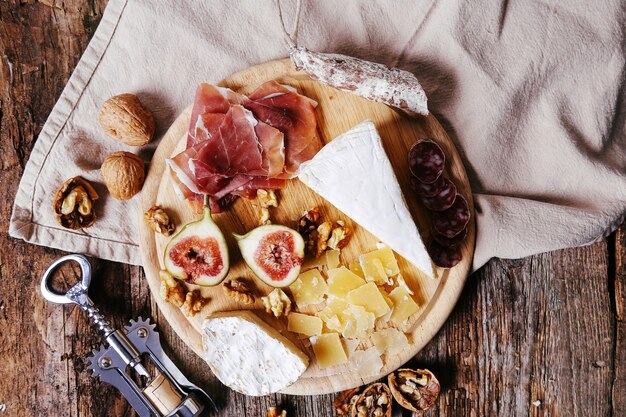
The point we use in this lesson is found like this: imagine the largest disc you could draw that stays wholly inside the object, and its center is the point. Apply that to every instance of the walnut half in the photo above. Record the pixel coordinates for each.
(172, 290)
(159, 221)
(277, 303)
(194, 303)
(73, 204)
(374, 401)
(344, 400)
(239, 290)
(414, 389)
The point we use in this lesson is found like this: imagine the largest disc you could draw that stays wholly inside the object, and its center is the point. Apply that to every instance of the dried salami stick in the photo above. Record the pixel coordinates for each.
(370, 80)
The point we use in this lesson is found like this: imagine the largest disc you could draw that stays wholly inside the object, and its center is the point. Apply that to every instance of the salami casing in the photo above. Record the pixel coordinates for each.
(370, 80)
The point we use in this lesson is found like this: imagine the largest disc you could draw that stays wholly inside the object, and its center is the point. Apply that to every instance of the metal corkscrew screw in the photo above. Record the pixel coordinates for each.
(166, 391)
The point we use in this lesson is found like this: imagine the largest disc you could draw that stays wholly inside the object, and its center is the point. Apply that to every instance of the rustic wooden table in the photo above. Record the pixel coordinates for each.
(541, 336)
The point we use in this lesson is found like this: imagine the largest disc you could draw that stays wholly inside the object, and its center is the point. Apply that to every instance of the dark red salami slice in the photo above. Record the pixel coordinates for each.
(426, 161)
(450, 242)
(423, 189)
(453, 220)
(443, 199)
(444, 257)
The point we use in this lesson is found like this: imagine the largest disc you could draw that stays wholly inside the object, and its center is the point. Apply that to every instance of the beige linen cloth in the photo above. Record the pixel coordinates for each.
(532, 93)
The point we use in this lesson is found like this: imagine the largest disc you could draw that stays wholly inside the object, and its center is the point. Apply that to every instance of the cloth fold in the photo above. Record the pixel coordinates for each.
(532, 93)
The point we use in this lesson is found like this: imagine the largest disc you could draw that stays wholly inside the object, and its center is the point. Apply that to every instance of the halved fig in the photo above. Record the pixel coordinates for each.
(273, 252)
(198, 254)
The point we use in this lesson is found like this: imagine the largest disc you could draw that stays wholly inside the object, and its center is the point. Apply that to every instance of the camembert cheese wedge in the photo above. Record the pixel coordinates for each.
(355, 175)
(250, 356)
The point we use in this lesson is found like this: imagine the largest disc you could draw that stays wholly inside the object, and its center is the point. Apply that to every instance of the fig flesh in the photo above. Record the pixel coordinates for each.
(198, 254)
(273, 252)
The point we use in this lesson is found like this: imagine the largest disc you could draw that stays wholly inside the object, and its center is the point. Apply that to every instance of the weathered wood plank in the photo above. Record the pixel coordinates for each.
(619, 350)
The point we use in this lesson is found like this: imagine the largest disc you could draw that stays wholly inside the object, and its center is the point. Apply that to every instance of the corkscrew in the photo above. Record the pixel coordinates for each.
(164, 392)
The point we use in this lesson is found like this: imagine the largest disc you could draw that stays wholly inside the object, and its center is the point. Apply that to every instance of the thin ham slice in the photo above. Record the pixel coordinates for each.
(209, 100)
(238, 144)
(292, 114)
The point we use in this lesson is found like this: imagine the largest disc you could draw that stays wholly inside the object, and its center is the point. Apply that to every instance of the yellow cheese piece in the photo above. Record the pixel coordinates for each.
(309, 288)
(386, 297)
(403, 305)
(355, 267)
(342, 280)
(369, 296)
(373, 270)
(386, 257)
(332, 258)
(328, 350)
(304, 324)
(367, 362)
(334, 324)
(359, 322)
(333, 307)
(390, 341)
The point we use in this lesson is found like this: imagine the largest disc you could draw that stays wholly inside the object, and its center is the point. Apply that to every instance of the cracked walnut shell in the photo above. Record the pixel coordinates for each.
(414, 389)
(126, 119)
(123, 174)
(73, 204)
(374, 401)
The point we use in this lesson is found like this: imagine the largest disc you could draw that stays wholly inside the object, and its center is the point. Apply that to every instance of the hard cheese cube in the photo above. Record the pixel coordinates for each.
(332, 258)
(369, 297)
(342, 280)
(355, 267)
(304, 324)
(334, 314)
(359, 322)
(378, 265)
(309, 288)
(328, 350)
(403, 305)
(390, 341)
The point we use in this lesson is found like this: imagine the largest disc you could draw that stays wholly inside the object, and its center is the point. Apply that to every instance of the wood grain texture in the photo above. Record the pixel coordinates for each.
(336, 113)
(523, 331)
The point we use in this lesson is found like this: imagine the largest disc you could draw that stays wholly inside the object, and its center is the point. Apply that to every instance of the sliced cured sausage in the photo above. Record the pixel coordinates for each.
(443, 199)
(453, 220)
(426, 161)
(423, 189)
(444, 257)
(450, 242)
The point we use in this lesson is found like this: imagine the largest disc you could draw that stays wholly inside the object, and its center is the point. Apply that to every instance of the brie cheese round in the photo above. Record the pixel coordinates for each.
(248, 355)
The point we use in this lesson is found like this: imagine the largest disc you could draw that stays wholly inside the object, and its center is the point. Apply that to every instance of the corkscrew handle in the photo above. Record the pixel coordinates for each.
(78, 293)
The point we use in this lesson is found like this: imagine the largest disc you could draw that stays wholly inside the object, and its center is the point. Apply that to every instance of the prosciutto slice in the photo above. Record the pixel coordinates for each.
(238, 144)
(292, 114)
(209, 107)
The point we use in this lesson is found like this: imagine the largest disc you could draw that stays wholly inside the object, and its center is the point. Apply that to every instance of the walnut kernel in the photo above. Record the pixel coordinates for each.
(126, 119)
(275, 412)
(239, 290)
(172, 290)
(159, 221)
(73, 204)
(264, 200)
(414, 389)
(374, 401)
(194, 303)
(323, 234)
(339, 236)
(277, 303)
(123, 174)
(343, 401)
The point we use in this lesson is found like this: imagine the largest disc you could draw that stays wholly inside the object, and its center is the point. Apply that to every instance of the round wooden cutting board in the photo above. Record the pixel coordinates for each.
(336, 113)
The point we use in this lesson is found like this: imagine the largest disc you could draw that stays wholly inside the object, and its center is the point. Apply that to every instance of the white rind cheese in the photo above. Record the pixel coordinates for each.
(355, 175)
(248, 355)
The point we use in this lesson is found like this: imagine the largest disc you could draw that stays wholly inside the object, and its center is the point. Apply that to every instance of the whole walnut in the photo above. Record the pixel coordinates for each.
(123, 174)
(126, 119)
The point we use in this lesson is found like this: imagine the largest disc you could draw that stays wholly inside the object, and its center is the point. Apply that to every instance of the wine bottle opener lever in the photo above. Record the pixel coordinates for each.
(165, 392)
